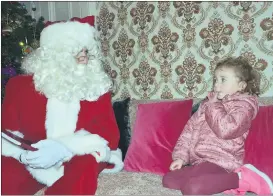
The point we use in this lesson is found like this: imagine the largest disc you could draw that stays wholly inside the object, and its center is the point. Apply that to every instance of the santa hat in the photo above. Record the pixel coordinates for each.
(69, 35)
(88, 19)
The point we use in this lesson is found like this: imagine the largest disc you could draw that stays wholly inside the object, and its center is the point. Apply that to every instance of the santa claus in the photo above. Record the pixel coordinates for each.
(63, 106)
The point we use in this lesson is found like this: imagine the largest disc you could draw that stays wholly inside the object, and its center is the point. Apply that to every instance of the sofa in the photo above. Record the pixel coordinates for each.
(138, 180)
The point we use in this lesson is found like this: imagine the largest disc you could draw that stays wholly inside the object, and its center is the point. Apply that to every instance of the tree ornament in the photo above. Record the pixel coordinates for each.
(7, 29)
(33, 6)
(35, 44)
(21, 44)
(26, 50)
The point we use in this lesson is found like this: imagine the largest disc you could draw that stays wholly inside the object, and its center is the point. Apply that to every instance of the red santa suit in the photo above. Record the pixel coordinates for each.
(85, 127)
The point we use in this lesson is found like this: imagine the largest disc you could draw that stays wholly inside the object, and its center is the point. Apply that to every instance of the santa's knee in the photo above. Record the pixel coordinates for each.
(12, 168)
(80, 177)
(16, 180)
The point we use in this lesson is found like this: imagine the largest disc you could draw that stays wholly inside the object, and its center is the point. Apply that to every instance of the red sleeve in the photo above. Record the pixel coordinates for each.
(233, 123)
(104, 122)
(10, 112)
(181, 149)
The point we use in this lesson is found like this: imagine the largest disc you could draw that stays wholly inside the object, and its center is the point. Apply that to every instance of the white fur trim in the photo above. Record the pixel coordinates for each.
(82, 142)
(70, 35)
(11, 150)
(89, 144)
(79, 143)
(116, 159)
(47, 176)
(61, 117)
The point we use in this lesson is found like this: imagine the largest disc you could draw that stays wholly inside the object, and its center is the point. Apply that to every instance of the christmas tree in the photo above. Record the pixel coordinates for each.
(20, 34)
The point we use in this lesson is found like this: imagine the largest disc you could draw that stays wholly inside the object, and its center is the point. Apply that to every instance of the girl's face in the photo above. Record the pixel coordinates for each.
(227, 83)
(82, 57)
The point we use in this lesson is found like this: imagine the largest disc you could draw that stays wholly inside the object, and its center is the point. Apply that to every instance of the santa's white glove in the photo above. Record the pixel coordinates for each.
(49, 153)
(22, 157)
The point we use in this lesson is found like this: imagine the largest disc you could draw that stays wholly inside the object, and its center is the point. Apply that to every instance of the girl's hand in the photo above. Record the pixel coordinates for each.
(177, 164)
(212, 96)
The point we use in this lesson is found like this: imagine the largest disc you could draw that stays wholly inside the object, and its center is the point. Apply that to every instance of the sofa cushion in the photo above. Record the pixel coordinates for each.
(132, 183)
(122, 118)
(156, 130)
(135, 102)
(259, 143)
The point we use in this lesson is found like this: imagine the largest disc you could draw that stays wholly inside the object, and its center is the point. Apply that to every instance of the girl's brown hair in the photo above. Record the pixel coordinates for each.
(244, 72)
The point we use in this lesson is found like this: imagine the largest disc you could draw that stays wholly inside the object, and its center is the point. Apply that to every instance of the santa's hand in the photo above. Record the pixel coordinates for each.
(22, 158)
(103, 155)
(49, 153)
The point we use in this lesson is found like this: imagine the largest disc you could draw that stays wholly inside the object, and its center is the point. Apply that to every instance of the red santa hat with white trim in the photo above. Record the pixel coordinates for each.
(71, 35)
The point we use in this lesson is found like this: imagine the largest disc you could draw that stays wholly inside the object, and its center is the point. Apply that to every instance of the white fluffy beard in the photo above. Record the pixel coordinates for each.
(62, 78)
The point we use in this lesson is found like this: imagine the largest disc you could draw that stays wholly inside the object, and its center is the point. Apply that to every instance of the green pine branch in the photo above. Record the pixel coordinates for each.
(15, 16)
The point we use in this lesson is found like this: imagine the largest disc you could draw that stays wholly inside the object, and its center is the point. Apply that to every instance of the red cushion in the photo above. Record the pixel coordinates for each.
(156, 130)
(259, 143)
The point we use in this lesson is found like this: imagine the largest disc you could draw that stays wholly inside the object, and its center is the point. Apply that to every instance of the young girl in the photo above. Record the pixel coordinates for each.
(212, 141)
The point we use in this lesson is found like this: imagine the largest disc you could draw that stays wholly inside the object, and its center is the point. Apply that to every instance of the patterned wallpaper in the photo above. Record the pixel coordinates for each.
(165, 50)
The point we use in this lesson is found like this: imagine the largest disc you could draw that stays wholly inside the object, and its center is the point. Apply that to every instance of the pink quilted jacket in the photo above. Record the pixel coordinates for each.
(217, 132)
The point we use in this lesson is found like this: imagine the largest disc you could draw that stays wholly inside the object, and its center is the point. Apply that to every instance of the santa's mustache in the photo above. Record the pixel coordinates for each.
(82, 57)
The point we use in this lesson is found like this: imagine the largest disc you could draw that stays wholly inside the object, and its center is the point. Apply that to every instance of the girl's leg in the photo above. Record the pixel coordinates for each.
(174, 179)
(178, 178)
(211, 183)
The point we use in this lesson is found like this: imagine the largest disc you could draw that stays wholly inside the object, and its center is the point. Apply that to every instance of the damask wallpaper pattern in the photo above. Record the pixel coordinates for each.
(165, 50)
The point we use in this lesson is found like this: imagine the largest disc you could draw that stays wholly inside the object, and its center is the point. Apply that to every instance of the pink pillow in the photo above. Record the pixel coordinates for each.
(156, 130)
(259, 143)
